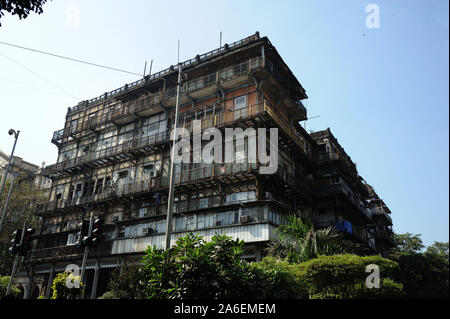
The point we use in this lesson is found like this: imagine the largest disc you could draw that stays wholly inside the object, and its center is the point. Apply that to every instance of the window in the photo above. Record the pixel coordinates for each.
(239, 197)
(123, 174)
(203, 202)
(229, 218)
(73, 125)
(240, 102)
(200, 222)
(190, 223)
(142, 212)
(335, 179)
(72, 239)
(220, 219)
(180, 223)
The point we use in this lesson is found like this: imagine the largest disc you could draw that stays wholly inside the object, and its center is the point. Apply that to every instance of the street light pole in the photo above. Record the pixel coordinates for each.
(5, 207)
(16, 136)
(171, 168)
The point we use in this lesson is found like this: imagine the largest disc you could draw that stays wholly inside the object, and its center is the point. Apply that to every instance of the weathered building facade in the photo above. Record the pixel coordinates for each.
(114, 156)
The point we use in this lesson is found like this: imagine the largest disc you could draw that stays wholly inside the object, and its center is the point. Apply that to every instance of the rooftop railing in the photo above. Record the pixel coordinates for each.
(198, 59)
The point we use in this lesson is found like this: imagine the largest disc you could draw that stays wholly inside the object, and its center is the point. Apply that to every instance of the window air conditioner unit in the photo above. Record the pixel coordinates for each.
(244, 219)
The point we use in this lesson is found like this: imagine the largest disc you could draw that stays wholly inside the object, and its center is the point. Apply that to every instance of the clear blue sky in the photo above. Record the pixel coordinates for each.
(383, 92)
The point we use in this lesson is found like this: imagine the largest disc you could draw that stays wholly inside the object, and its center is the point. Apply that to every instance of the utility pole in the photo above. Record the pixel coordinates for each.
(16, 262)
(171, 168)
(16, 136)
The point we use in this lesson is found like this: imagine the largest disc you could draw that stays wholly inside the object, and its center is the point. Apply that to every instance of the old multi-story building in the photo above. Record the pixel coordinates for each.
(28, 171)
(114, 155)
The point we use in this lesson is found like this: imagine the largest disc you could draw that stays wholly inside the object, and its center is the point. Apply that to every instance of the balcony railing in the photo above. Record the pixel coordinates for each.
(138, 186)
(341, 189)
(218, 120)
(155, 76)
(129, 109)
(71, 251)
(103, 154)
(379, 212)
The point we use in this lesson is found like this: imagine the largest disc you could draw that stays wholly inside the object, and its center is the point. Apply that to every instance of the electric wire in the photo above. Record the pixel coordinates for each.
(38, 75)
(68, 58)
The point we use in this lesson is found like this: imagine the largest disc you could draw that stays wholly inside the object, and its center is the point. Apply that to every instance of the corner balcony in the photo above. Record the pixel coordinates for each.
(345, 193)
(379, 215)
(107, 156)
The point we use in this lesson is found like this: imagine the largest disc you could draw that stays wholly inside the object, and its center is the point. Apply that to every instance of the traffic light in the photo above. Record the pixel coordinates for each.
(26, 242)
(16, 242)
(84, 231)
(96, 231)
(92, 239)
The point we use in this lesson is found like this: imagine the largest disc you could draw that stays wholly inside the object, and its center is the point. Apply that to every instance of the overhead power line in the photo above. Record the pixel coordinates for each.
(38, 75)
(68, 58)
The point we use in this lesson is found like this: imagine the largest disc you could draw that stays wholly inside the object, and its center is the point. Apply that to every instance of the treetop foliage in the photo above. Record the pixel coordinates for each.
(21, 8)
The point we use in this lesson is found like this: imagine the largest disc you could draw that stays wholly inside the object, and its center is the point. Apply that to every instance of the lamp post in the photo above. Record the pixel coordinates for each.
(16, 136)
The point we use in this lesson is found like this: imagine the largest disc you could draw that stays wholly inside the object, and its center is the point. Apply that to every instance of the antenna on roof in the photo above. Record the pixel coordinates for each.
(145, 69)
(151, 65)
(220, 43)
(178, 51)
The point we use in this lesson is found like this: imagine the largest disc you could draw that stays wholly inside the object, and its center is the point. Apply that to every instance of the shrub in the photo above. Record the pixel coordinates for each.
(194, 268)
(4, 281)
(278, 279)
(125, 283)
(344, 276)
(60, 289)
(108, 295)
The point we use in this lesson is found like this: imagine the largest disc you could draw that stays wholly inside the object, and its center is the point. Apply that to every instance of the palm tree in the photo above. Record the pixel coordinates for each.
(299, 241)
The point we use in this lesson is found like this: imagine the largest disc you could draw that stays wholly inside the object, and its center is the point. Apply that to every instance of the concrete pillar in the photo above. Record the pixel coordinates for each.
(50, 281)
(95, 282)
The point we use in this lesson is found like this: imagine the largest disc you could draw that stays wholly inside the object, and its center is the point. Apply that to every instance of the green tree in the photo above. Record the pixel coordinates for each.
(423, 274)
(194, 268)
(126, 283)
(60, 289)
(299, 241)
(438, 249)
(21, 8)
(407, 243)
(4, 281)
(20, 209)
(344, 277)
